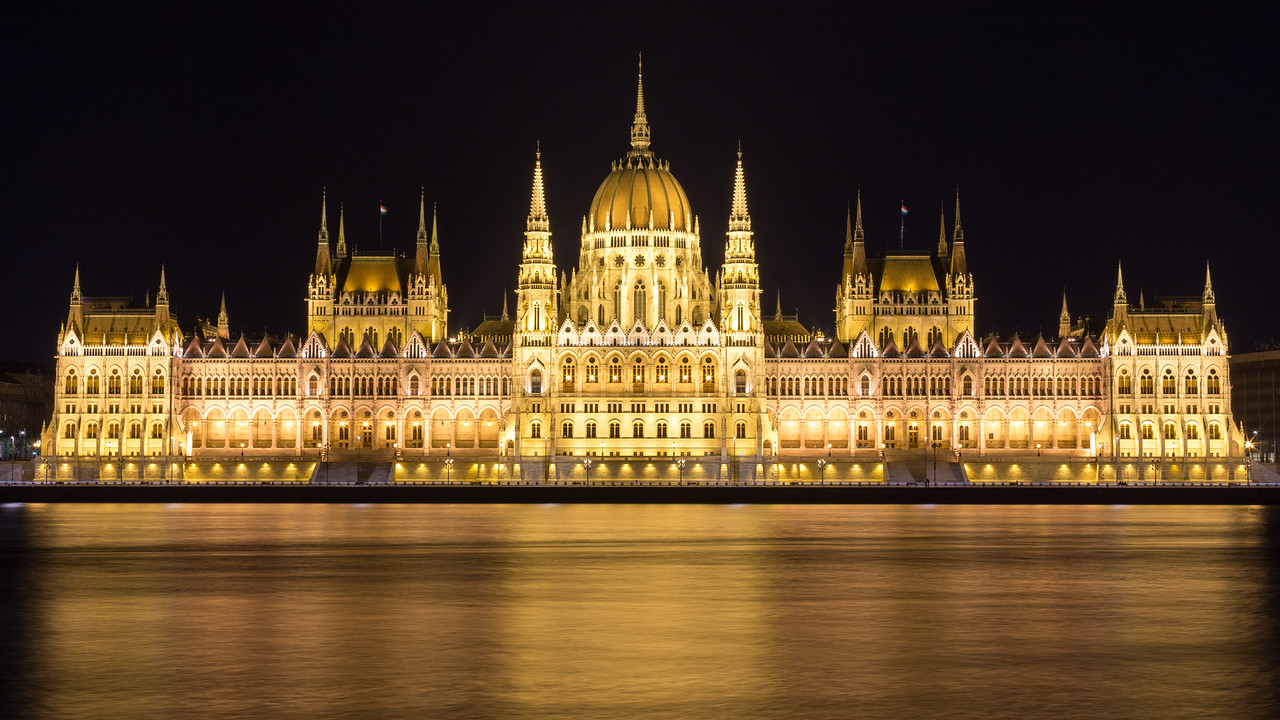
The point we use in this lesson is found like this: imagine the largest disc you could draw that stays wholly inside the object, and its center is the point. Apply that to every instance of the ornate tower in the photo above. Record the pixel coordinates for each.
(960, 298)
(536, 292)
(428, 296)
(854, 294)
(740, 310)
(1064, 319)
(162, 309)
(321, 288)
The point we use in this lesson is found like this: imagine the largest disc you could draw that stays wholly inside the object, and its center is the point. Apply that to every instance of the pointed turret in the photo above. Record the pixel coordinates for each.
(75, 316)
(739, 281)
(959, 264)
(1064, 319)
(942, 233)
(422, 250)
(1120, 304)
(342, 233)
(640, 126)
(162, 305)
(323, 266)
(1120, 297)
(505, 315)
(859, 265)
(777, 314)
(224, 324)
(536, 293)
(433, 262)
(739, 244)
(1209, 302)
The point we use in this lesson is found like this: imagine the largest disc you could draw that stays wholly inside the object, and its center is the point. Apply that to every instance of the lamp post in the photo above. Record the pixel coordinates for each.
(822, 470)
(448, 463)
(586, 464)
(680, 464)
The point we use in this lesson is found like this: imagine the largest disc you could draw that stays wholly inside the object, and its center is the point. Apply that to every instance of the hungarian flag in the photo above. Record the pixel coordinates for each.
(904, 209)
(383, 209)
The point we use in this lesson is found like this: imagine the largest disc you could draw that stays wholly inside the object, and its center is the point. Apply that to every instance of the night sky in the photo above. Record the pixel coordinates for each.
(200, 140)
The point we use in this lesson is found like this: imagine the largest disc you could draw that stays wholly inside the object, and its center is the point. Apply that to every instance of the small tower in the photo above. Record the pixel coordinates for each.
(1120, 303)
(342, 234)
(1208, 303)
(960, 293)
(322, 284)
(942, 233)
(224, 324)
(75, 316)
(854, 294)
(162, 307)
(1064, 319)
(428, 296)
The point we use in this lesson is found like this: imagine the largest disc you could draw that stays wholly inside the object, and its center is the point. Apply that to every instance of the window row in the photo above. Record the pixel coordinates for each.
(93, 383)
(1170, 431)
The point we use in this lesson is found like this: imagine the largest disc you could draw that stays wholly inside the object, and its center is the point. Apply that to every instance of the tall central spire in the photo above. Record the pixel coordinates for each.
(640, 126)
(739, 218)
(538, 220)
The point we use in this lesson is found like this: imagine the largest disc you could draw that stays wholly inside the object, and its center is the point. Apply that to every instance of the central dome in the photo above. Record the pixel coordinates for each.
(641, 188)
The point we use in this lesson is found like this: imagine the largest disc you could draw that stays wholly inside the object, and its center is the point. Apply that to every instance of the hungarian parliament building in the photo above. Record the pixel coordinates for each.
(640, 351)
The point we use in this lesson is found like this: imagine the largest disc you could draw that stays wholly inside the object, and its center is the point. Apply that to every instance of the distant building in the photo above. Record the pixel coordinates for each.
(26, 397)
(639, 350)
(1255, 398)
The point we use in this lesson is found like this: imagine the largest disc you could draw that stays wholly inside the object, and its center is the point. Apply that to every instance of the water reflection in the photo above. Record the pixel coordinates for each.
(638, 612)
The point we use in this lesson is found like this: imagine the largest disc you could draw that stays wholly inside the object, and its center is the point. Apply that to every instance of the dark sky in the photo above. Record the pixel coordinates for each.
(1132, 132)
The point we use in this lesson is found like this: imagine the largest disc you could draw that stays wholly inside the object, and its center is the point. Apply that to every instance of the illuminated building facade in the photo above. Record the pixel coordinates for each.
(639, 350)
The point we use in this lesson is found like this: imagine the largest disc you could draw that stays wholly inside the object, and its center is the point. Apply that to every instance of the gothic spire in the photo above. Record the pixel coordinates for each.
(342, 233)
(778, 313)
(505, 316)
(324, 222)
(162, 295)
(959, 264)
(958, 234)
(640, 126)
(739, 218)
(942, 233)
(857, 220)
(422, 216)
(1120, 297)
(848, 228)
(433, 264)
(538, 221)
(1064, 318)
(1208, 286)
(76, 297)
(224, 324)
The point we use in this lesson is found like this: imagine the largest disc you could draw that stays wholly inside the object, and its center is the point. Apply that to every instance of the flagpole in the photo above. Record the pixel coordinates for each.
(381, 212)
(902, 225)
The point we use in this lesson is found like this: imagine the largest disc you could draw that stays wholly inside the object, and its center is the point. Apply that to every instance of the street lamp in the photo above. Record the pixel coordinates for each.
(680, 464)
(822, 470)
(448, 463)
(586, 463)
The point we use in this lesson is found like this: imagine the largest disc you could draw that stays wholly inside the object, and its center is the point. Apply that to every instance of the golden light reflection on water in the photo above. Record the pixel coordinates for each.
(638, 612)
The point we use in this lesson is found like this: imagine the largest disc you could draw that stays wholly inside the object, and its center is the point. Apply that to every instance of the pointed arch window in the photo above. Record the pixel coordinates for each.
(638, 299)
(662, 300)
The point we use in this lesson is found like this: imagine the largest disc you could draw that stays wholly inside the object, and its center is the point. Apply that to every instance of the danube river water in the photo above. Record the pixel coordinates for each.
(593, 611)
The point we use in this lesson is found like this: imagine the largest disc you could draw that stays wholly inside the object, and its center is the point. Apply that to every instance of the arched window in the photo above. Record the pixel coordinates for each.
(679, 315)
(72, 385)
(617, 301)
(535, 382)
(935, 336)
(909, 336)
(1213, 384)
(157, 431)
(91, 385)
(708, 374)
(662, 300)
(69, 433)
(637, 429)
(1191, 384)
(113, 431)
(708, 429)
(886, 337)
(615, 429)
(740, 382)
(157, 383)
(535, 317)
(968, 385)
(686, 429)
(591, 428)
(568, 373)
(535, 429)
(413, 385)
(639, 305)
(91, 431)
(615, 370)
(113, 383)
(135, 382)
(740, 431)
(662, 428)
(1147, 383)
(135, 430)
(661, 373)
(593, 370)
(566, 429)
(686, 370)
(1148, 431)
(1215, 431)
(1170, 431)
(1193, 431)
(1169, 386)
(637, 373)
(313, 386)
(740, 320)
(866, 385)
(1124, 385)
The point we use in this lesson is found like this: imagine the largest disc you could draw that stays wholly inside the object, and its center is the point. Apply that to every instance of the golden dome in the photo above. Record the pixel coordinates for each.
(638, 186)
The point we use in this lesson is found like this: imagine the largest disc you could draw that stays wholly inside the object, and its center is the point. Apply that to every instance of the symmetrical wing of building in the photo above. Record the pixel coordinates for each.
(638, 350)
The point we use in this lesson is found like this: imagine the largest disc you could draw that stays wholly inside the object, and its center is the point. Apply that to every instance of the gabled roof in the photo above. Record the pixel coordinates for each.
(388, 349)
(343, 350)
(442, 350)
(488, 350)
(287, 349)
(837, 350)
(1088, 349)
(194, 350)
(465, 350)
(769, 350)
(216, 350)
(890, 350)
(1016, 349)
(993, 349)
(264, 348)
(790, 351)
(813, 350)
(1065, 349)
(241, 350)
(1041, 349)
(914, 350)
(366, 350)
(938, 350)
